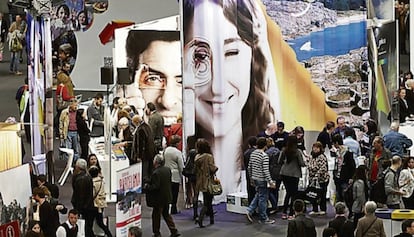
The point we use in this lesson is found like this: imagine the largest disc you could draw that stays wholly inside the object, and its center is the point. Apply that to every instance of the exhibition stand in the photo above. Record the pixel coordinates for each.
(407, 129)
(10, 146)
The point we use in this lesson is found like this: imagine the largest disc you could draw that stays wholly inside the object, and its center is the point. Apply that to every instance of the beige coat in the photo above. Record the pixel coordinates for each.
(205, 170)
(99, 192)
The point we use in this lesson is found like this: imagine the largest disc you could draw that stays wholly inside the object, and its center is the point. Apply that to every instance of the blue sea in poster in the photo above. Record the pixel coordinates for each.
(332, 41)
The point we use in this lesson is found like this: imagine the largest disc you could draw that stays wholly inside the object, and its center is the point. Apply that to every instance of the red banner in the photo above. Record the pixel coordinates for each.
(10, 229)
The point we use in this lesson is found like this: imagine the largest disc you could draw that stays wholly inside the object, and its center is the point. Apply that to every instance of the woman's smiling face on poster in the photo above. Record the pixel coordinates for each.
(220, 66)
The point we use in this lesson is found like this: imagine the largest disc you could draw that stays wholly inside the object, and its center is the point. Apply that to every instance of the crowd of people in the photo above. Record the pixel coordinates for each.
(363, 162)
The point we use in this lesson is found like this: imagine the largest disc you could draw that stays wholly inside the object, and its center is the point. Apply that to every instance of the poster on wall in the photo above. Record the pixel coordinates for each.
(303, 63)
(152, 54)
(67, 18)
(128, 206)
(384, 58)
(13, 201)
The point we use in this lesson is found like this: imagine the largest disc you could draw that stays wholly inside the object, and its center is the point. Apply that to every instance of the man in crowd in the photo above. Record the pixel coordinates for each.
(258, 170)
(407, 228)
(156, 122)
(343, 226)
(397, 142)
(391, 184)
(159, 196)
(70, 227)
(53, 188)
(269, 131)
(301, 226)
(352, 144)
(370, 225)
(280, 136)
(82, 196)
(134, 231)
(341, 125)
(96, 116)
(49, 222)
(143, 147)
(68, 128)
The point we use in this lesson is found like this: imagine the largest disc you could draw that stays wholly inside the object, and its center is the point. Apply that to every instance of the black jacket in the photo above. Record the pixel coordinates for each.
(82, 197)
(301, 226)
(4, 30)
(343, 227)
(158, 189)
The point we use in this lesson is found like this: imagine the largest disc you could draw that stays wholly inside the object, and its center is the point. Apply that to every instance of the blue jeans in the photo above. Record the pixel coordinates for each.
(14, 61)
(72, 142)
(260, 199)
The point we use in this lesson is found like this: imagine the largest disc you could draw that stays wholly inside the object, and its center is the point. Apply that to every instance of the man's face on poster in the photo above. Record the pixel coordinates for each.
(160, 79)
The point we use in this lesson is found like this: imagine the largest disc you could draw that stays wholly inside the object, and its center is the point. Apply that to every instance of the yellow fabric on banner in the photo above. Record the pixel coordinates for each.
(10, 146)
(383, 104)
(302, 102)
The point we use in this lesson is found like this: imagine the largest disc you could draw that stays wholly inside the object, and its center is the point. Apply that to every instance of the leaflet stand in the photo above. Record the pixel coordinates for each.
(68, 169)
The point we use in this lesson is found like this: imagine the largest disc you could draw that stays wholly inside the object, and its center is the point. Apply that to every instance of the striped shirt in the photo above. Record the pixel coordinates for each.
(259, 166)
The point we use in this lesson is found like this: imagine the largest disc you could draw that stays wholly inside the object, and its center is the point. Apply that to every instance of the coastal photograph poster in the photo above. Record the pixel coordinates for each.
(330, 41)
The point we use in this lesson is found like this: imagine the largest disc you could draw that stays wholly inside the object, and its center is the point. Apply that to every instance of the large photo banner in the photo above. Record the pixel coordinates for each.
(298, 62)
(152, 54)
(128, 206)
(14, 201)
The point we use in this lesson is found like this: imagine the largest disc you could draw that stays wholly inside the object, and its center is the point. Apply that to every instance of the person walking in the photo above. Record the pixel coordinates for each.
(158, 196)
(260, 175)
(292, 160)
(301, 226)
(205, 170)
(370, 225)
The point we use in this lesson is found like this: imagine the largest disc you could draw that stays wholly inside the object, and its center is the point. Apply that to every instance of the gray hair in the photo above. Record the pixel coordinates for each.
(370, 207)
(159, 159)
(81, 164)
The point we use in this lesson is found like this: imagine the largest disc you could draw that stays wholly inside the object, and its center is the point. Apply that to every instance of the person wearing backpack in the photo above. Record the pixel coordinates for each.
(391, 184)
(300, 226)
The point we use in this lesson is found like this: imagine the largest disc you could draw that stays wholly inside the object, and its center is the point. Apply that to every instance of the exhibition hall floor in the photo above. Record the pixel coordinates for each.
(226, 224)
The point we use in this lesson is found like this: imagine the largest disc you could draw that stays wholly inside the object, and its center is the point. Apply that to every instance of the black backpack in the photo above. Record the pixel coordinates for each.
(189, 168)
(378, 189)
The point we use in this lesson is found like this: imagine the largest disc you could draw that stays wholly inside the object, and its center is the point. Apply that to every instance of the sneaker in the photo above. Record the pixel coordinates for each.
(273, 211)
(291, 218)
(322, 213)
(267, 221)
(313, 213)
(249, 217)
(284, 216)
(18, 73)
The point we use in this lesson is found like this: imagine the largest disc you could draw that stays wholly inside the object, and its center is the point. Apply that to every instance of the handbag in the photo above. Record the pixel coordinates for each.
(214, 186)
(313, 191)
(61, 103)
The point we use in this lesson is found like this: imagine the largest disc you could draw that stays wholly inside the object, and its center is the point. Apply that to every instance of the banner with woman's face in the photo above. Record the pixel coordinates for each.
(267, 62)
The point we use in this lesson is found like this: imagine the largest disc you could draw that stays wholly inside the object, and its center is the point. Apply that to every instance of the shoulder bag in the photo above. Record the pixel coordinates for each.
(61, 103)
(214, 185)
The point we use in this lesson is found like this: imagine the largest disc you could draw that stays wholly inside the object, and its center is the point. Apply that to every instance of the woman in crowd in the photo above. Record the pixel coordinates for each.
(370, 131)
(227, 111)
(125, 135)
(325, 137)
(403, 105)
(291, 171)
(93, 161)
(359, 193)
(99, 201)
(406, 182)
(299, 132)
(205, 170)
(318, 170)
(34, 229)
